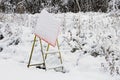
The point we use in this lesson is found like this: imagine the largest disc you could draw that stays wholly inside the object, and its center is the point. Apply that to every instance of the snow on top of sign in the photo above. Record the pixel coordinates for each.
(47, 27)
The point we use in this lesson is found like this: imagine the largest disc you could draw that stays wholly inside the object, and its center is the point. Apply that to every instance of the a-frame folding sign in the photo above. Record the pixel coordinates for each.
(47, 29)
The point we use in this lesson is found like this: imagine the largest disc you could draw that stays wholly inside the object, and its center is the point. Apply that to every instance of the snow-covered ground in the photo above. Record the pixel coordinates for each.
(96, 30)
(88, 70)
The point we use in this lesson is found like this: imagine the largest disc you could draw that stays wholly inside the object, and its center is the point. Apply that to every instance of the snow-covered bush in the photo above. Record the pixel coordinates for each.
(10, 29)
(114, 5)
(95, 34)
(112, 58)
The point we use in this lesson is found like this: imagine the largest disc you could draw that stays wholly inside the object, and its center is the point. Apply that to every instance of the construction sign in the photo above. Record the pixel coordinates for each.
(47, 27)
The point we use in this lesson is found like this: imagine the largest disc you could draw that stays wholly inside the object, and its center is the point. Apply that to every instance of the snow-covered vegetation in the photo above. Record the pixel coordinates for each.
(56, 6)
(89, 39)
(95, 34)
(92, 41)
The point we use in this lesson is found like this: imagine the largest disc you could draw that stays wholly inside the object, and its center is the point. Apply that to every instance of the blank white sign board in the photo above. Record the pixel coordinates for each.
(47, 28)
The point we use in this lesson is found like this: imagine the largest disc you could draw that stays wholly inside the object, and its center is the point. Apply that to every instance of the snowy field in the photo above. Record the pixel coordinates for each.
(95, 32)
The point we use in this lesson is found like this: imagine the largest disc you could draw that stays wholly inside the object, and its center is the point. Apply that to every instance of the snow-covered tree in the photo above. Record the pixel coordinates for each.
(114, 5)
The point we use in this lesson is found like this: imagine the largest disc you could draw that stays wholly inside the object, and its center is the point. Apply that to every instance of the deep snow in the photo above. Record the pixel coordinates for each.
(89, 70)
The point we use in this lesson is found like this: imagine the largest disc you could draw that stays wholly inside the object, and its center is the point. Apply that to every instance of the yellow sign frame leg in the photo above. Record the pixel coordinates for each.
(58, 51)
(44, 55)
(30, 58)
